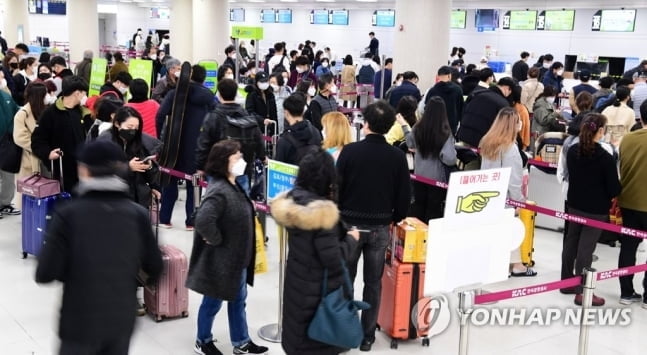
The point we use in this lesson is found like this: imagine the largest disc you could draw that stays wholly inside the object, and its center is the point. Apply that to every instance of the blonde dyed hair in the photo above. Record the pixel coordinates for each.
(502, 133)
(337, 130)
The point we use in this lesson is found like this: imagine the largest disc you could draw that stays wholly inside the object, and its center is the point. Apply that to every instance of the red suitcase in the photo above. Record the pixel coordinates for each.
(402, 287)
(169, 297)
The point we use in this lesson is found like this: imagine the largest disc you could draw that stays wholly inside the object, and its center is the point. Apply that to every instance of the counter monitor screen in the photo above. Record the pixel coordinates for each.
(268, 16)
(339, 17)
(284, 16)
(486, 20)
(458, 19)
(384, 18)
(522, 20)
(558, 20)
(616, 21)
(319, 17)
(237, 15)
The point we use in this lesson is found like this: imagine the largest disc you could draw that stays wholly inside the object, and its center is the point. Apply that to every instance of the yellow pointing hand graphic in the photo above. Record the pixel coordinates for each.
(474, 202)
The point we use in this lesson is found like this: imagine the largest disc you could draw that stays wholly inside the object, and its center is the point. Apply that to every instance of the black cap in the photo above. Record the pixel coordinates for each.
(100, 153)
(58, 60)
(585, 74)
(445, 70)
(261, 77)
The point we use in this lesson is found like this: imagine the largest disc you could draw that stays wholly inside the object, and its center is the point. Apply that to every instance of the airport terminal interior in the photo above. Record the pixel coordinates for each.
(605, 39)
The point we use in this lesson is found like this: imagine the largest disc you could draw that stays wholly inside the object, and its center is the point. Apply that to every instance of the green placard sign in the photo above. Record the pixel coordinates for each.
(247, 32)
(141, 69)
(97, 75)
(211, 81)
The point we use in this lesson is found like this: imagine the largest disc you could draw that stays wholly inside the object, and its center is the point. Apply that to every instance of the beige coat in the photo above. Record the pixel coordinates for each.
(24, 124)
(348, 84)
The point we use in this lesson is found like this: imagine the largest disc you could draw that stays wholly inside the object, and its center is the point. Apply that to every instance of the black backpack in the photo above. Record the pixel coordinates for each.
(243, 129)
(302, 148)
(280, 67)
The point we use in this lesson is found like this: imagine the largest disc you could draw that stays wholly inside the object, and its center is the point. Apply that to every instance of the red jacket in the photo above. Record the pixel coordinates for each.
(148, 110)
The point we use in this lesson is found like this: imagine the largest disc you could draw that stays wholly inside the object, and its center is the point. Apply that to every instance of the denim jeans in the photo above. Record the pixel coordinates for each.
(235, 313)
(373, 245)
(628, 247)
(169, 197)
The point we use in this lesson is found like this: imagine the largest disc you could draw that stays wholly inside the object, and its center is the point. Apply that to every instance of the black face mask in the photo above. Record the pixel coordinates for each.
(13, 65)
(127, 134)
(44, 76)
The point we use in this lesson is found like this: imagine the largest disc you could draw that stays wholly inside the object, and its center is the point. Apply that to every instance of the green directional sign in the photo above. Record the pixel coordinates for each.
(97, 75)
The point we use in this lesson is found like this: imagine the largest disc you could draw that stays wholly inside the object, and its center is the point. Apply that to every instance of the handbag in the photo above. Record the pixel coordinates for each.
(336, 321)
(10, 154)
(39, 186)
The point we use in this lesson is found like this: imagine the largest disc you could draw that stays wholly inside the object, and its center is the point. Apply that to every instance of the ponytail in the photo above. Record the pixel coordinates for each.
(591, 123)
(616, 103)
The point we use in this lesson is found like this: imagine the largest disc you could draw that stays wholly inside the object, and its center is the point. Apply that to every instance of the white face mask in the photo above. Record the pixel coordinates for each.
(300, 70)
(3, 83)
(153, 56)
(239, 167)
(84, 99)
(333, 89)
(229, 76)
(263, 86)
(275, 87)
(324, 64)
(551, 100)
(177, 73)
(232, 56)
(123, 90)
(398, 83)
(560, 72)
(312, 91)
(546, 65)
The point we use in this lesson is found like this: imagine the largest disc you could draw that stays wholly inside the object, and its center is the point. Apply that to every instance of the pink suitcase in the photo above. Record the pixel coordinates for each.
(170, 297)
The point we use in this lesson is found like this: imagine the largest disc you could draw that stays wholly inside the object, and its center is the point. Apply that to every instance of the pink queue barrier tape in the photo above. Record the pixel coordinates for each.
(625, 271)
(527, 291)
(203, 183)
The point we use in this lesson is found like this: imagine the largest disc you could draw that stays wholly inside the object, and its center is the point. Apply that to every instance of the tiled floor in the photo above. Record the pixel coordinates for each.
(28, 312)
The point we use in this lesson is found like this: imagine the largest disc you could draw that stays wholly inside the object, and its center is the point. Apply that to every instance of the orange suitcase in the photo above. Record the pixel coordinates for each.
(402, 287)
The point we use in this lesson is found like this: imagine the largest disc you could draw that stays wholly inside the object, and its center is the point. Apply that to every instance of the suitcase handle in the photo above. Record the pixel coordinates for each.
(60, 169)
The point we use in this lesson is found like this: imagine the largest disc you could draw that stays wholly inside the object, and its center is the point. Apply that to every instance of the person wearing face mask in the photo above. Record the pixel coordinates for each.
(44, 72)
(408, 88)
(230, 52)
(119, 85)
(325, 101)
(59, 66)
(281, 92)
(36, 101)
(543, 64)
(323, 68)
(223, 253)
(126, 132)
(84, 67)
(302, 71)
(545, 116)
(554, 77)
(26, 75)
(10, 68)
(62, 128)
(103, 113)
(168, 82)
(261, 103)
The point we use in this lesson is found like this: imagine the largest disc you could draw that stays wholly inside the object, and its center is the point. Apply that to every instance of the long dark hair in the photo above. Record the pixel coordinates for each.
(591, 123)
(133, 148)
(317, 174)
(34, 94)
(407, 108)
(622, 92)
(432, 131)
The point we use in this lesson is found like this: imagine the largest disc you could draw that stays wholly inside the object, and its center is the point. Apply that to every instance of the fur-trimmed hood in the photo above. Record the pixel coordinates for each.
(303, 210)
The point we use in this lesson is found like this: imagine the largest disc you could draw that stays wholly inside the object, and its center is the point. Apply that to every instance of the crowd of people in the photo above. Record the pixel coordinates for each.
(333, 215)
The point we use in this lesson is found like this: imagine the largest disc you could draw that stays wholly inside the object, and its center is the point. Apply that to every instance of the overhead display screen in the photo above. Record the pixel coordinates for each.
(520, 20)
(556, 20)
(237, 15)
(268, 16)
(458, 19)
(486, 20)
(614, 21)
(319, 17)
(384, 18)
(339, 17)
(284, 16)
(47, 7)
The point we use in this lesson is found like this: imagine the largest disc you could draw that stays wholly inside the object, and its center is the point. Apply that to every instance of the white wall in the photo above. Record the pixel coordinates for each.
(580, 41)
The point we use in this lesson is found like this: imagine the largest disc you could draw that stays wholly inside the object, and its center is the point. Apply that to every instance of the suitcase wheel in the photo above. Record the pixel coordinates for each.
(394, 344)
(158, 318)
(425, 342)
(185, 314)
(378, 327)
(24, 255)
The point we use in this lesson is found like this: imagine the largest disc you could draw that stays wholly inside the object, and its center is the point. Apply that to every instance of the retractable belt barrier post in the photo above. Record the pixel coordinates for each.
(588, 284)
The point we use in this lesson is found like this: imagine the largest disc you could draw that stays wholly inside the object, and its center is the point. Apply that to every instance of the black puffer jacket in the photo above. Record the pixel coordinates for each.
(317, 241)
(302, 131)
(261, 103)
(225, 219)
(479, 113)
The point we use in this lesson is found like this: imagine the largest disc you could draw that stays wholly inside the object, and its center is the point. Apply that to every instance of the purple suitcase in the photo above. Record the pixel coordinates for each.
(169, 298)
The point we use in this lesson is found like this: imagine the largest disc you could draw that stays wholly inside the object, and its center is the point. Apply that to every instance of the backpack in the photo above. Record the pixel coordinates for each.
(243, 129)
(603, 102)
(280, 67)
(366, 75)
(302, 148)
